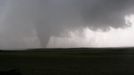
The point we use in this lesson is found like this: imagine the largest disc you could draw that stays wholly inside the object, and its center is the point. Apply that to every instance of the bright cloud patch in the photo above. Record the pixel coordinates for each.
(88, 38)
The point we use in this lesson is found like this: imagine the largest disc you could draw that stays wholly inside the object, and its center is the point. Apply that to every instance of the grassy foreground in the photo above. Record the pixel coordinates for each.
(73, 61)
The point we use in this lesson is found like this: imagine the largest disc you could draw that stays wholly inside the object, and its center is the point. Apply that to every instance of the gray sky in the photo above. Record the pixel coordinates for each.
(38, 20)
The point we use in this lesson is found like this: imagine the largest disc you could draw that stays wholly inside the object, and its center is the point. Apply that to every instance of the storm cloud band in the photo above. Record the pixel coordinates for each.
(41, 19)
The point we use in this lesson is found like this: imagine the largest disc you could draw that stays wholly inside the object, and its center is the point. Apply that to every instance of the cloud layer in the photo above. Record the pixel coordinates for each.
(86, 37)
(31, 23)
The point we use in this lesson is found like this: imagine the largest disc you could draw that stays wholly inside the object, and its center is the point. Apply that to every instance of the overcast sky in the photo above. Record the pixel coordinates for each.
(38, 23)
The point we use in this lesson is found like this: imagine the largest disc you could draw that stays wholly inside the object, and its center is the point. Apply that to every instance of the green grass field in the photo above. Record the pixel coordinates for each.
(75, 61)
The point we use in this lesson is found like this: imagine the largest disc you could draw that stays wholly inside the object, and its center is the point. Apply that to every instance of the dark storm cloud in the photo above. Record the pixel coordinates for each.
(51, 17)
(60, 14)
(96, 13)
(106, 12)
